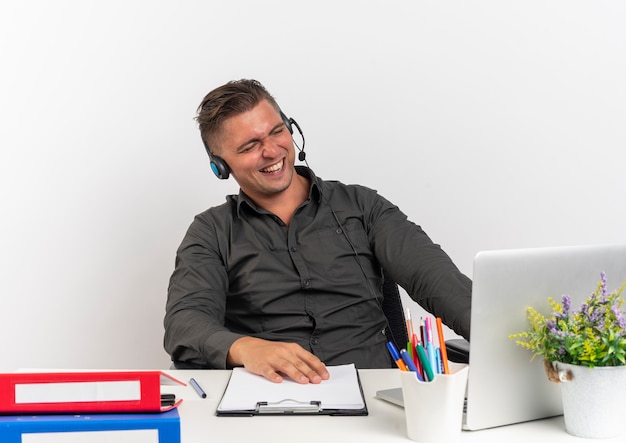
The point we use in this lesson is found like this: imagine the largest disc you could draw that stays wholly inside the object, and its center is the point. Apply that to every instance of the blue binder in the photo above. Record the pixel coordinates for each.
(13, 427)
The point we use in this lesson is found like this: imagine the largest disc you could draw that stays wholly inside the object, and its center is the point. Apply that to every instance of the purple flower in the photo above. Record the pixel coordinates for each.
(619, 316)
(596, 316)
(584, 309)
(567, 303)
(554, 331)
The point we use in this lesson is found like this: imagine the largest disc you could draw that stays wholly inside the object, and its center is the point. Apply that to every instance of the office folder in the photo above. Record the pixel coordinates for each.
(83, 392)
(249, 394)
(161, 427)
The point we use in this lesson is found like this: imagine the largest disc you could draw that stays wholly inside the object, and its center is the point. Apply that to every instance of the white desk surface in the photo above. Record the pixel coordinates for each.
(385, 422)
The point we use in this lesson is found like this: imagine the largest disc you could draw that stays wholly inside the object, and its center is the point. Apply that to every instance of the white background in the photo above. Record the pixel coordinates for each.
(493, 124)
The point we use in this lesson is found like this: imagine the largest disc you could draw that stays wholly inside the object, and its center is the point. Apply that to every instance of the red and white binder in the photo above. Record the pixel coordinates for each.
(83, 392)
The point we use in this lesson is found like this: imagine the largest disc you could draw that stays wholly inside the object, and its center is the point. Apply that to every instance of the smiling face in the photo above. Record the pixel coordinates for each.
(259, 151)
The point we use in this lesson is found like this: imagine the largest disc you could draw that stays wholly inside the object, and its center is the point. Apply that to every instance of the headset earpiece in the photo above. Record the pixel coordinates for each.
(219, 166)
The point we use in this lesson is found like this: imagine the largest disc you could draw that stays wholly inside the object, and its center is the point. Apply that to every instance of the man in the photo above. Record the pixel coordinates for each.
(286, 277)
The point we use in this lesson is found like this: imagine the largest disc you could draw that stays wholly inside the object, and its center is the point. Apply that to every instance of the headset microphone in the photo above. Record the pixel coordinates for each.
(301, 154)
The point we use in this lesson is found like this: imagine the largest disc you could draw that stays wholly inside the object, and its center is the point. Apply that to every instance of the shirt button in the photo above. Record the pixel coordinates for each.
(338, 231)
(293, 249)
(306, 283)
(315, 341)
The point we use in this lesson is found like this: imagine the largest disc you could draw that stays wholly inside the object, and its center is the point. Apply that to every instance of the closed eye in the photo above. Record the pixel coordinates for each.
(278, 129)
(254, 143)
(247, 148)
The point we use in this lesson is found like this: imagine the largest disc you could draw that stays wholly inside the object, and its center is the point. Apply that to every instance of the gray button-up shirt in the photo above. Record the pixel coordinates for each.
(240, 271)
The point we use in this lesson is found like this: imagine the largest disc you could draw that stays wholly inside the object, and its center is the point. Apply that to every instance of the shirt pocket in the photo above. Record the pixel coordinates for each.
(332, 251)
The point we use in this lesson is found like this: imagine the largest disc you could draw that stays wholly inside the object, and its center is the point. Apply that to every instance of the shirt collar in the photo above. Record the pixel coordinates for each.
(315, 193)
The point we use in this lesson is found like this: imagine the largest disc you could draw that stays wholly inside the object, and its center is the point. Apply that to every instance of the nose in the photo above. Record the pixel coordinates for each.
(270, 148)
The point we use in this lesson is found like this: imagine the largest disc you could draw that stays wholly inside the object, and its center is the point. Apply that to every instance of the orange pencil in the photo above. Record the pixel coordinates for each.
(409, 323)
(442, 346)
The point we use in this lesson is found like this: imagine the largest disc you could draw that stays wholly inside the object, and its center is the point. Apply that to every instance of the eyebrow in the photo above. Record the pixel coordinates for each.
(257, 139)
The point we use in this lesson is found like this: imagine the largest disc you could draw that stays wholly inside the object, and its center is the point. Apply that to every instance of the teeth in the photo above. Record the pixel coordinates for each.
(273, 168)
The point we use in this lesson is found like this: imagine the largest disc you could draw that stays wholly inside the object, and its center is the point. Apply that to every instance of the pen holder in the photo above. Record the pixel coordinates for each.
(434, 410)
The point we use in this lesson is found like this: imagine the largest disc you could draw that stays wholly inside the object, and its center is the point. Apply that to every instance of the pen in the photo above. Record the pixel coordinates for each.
(409, 350)
(432, 357)
(442, 347)
(416, 359)
(197, 388)
(430, 344)
(429, 330)
(396, 357)
(438, 364)
(409, 363)
(428, 371)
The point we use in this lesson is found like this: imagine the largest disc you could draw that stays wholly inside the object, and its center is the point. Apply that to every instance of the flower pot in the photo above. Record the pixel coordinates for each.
(593, 400)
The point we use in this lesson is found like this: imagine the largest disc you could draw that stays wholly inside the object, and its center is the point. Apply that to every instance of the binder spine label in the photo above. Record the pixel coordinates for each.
(126, 436)
(77, 392)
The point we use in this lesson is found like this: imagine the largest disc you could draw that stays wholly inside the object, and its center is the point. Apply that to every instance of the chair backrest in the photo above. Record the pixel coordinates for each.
(457, 348)
(392, 307)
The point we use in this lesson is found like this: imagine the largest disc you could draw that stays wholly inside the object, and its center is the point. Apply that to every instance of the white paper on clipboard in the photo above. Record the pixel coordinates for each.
(342, 391)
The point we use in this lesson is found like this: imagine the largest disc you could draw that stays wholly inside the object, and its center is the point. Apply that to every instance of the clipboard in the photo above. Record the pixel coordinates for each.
(249, 394)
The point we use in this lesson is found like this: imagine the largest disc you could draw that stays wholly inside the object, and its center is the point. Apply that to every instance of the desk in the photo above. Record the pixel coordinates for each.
(385, 421)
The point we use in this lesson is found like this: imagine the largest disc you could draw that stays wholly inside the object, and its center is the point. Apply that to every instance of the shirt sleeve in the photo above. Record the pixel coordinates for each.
(196, 301)
(418, 265)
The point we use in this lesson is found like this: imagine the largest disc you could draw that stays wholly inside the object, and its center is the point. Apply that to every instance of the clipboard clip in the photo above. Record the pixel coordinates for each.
(289, 406)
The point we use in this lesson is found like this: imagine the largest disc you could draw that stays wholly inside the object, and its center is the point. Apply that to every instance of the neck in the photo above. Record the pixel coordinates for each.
(284, 204)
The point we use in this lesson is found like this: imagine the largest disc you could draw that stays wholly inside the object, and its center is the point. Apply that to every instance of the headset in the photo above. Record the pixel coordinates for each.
(220, 167)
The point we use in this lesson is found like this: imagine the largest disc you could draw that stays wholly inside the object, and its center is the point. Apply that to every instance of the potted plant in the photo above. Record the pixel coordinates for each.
(585, 350)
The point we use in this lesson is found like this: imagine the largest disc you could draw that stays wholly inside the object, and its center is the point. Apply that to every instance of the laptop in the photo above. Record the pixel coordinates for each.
(504, 386)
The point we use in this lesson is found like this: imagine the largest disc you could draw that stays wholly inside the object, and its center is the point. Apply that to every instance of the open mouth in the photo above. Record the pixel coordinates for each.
(274, 168)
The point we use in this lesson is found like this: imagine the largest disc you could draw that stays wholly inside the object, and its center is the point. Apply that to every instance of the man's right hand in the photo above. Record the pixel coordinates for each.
(272, 360)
